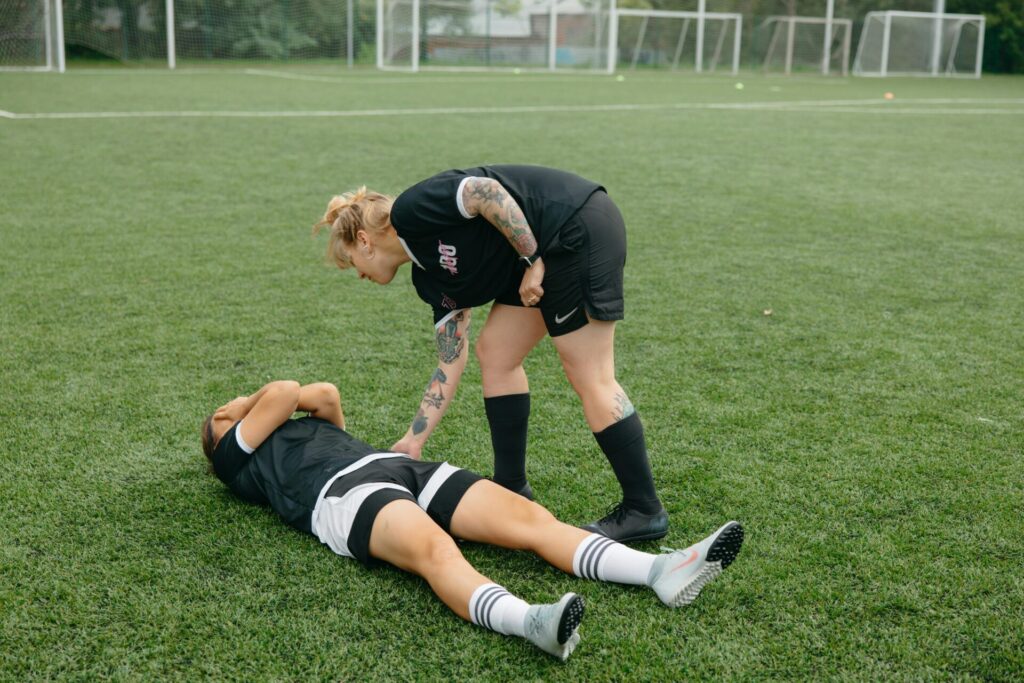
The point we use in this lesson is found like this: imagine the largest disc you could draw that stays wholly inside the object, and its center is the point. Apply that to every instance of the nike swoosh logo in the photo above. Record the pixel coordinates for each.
(559, 319)
(691, 558)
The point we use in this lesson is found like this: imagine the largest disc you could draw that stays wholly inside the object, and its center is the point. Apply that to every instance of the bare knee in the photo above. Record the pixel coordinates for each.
(326, 392)
(436, 551)
(588, 385)
(528, 523)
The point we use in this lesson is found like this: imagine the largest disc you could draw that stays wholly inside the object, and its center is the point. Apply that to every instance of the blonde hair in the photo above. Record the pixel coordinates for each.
(349, 213)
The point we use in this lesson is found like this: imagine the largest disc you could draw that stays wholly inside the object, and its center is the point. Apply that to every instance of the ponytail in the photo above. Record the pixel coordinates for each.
(349, 213)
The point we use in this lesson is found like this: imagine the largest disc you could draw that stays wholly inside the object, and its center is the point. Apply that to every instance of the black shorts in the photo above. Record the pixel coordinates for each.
(583, 273)
(348, 508)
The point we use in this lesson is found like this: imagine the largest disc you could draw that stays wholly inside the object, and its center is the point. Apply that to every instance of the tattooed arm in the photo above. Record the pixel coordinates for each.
(452, 338)
(486, 197)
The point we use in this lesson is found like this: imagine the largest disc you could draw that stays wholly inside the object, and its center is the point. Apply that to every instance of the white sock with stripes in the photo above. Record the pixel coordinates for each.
(602, 559)
(493, 607)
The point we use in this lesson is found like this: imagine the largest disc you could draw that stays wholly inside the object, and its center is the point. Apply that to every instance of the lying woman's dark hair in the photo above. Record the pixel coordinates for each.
(207, 436)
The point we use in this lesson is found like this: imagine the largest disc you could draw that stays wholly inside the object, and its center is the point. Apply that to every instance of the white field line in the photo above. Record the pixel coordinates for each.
(908, 112)
(435, 75)
(526, 77)
(7, 114)
(867, 106)
(152, 71)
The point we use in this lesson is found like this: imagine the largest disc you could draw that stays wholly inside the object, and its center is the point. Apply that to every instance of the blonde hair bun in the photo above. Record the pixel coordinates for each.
(349, 213)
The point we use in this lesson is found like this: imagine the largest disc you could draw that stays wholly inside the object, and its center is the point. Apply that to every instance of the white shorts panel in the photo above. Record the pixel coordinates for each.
(434, 483)
(336, 515)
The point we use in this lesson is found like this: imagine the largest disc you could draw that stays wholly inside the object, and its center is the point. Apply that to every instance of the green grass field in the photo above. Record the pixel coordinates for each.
(825, 294)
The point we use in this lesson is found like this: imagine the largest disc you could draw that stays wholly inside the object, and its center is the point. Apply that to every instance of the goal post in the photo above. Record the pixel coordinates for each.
(31, 35)
(804, 43)
(458, 35)
(896, 43)
(668, 38)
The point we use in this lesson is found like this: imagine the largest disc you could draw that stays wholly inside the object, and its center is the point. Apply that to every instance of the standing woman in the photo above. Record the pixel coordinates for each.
(548, 248)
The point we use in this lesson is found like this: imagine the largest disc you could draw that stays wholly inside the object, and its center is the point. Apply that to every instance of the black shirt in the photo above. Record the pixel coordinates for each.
(288, 470)
(461, 262)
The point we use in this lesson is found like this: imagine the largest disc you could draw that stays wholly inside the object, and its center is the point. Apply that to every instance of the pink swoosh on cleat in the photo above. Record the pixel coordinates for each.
(693, 556)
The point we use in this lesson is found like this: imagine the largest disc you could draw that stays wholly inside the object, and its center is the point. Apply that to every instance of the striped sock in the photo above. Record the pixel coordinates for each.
(493, 607)
(602, 559)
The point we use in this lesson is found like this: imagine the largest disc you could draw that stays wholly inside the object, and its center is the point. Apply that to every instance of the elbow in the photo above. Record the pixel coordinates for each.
(327, 395)
(286, 391)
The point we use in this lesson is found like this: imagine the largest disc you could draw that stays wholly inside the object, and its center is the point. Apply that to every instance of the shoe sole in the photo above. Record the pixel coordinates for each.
(643, 537)
(721, 554)
(572, 615)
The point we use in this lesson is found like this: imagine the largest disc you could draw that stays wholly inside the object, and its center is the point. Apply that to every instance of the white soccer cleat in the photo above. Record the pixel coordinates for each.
(552, 628)
(678, 577)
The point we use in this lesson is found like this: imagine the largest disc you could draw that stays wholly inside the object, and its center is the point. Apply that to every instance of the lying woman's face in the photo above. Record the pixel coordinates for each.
(227, 415)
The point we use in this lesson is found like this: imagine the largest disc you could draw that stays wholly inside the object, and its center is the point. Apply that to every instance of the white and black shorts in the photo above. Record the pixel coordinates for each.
(583, 274)
(346, 511)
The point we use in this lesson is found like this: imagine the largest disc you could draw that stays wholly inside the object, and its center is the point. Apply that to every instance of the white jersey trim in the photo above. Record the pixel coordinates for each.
(458, 198)
(362, 462)
(448, 317)
(241, 442)
(411, 255)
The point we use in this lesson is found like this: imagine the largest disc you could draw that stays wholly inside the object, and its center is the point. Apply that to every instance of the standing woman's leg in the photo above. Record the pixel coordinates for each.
(509, 334)
(589, 283)
(588, 358)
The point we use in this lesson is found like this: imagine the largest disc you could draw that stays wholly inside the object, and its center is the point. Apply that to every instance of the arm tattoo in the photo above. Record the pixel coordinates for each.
(419, 423)
(435, 398)
(450, 341)
(506, 215)
(624, 408)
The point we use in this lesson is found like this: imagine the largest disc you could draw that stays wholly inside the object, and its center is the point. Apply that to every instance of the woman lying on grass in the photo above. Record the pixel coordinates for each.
(387, 506)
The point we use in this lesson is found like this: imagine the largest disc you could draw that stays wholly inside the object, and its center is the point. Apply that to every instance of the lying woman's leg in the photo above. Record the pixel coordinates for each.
(405, 536)
(488, 513)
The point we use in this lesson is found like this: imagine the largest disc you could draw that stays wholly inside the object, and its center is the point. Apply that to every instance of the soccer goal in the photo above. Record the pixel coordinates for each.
(493, 34)
(31, 35)
(664, 38)
(920, 44)
(799, 43)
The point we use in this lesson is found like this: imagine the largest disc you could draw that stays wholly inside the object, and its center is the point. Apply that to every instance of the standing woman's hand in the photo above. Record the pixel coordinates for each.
(530, 291)
(406, 445)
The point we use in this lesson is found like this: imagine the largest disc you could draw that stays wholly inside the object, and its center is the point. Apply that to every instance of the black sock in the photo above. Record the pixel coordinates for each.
(509, 417)
(624, 446)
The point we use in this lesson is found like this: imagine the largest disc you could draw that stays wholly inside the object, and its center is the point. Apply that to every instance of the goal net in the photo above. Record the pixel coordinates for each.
(668, 39)
(482, 34)
(138, 31)
(126, 31)
(794, 43)
(274, 30)
(920, 44)
(30, 36)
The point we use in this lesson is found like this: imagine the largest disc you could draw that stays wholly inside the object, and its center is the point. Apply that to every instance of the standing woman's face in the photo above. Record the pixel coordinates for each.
(371, 263)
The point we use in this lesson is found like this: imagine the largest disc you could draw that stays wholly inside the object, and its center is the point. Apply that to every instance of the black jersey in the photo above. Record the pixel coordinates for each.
(462, 261)
(288, 470)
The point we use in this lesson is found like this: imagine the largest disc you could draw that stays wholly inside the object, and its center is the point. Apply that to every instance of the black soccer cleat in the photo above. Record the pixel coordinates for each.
(624, 525)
